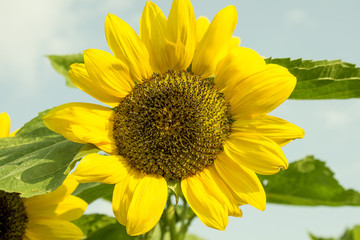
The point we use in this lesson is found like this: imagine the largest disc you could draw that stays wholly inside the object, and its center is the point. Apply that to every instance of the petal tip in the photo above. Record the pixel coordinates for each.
(110, 15)
(302, 133)
(232, 9)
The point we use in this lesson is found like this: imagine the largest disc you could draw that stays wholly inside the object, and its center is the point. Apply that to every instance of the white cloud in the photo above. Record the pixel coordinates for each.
(32, 29)
(337, 117)
(295, 16)
(27, 28)
(116, 4)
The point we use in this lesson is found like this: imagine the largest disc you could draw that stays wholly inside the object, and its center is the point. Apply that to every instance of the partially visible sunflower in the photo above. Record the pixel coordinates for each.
(187, 104)
(5, 126)
(40, 217)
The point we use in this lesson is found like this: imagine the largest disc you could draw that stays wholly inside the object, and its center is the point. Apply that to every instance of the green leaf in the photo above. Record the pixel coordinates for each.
(33, 162)
(93, 222)
(322, 79)
(98, 226)
(85, 150)
(89, 192)
(350, 234)
(108, 197)
(308, 182)
(319, 238)
(61, 63)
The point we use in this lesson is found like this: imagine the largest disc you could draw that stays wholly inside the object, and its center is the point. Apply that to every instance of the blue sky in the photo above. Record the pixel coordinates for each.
(318, 29)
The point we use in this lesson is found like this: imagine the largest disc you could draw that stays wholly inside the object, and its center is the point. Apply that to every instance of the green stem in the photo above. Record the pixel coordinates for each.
(163, 225)
(148, 235)
(170, 212)
(162, 229)
(190, 218)
(169, 220)
(183, 228)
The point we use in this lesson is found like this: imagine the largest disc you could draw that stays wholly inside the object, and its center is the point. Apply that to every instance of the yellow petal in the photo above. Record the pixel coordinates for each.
(13, 133)
(277, 129)
(243, 183)
(227, 195)
(70, 208)
(216, 42)
(239, 64)
(128, 47)
(27, 238)
(123, 194)
(110, 73)
(4, 125)
(102, 92)
(66, 188)
(206, 199)
(98, 168)
(255, 152)
(147, 204)
(83, 123)
(180, 37)
(138, 201)
(202, 25)
(262, 92)
(52, 228)
(152, 32)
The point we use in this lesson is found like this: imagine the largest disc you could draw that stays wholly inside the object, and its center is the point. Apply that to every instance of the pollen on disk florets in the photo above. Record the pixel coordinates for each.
(172, 124)
(13, 216)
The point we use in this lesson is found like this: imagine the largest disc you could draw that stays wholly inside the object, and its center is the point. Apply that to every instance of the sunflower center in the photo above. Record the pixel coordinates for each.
(172, 124)
(13, 217)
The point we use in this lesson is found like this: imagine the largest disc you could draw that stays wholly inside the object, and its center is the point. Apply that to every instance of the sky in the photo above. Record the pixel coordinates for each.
(317, 29)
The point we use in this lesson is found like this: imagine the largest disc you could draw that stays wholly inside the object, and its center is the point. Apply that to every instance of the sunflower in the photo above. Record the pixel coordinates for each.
(186, 104)
(40, 217)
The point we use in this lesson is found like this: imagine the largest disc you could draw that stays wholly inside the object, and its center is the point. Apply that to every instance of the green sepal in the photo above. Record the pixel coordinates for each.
(61, 64)
(308, 182)
(175, 187)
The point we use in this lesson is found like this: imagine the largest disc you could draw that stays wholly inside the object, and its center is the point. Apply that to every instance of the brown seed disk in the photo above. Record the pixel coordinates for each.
(13, 216)
(172, 125)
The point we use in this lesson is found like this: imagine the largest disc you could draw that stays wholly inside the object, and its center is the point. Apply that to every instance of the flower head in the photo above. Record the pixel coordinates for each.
(45, 216)
(187, 104)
